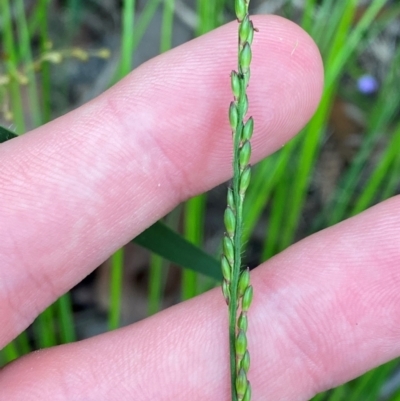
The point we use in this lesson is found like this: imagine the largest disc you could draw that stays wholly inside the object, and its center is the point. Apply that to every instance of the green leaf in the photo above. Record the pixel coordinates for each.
(165, 242)
(6, 134)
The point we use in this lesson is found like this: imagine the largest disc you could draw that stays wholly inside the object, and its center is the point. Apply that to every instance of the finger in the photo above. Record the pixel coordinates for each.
(325, 311)
(78, 188)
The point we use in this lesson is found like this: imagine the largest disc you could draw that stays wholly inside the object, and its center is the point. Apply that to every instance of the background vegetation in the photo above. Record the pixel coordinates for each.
(345, 160)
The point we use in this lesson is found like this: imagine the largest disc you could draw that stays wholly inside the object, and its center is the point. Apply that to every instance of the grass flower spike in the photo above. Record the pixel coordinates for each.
(236, 286)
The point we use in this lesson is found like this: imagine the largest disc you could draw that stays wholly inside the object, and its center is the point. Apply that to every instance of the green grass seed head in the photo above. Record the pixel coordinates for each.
(236, 284)
(233, 116)
(241, 7)
(244, 281)
(247, 395)
(245, 58)
(242, 322)
(247, 298)
(230, 222)
(226, 269)
(235, 84)
(248, 129)
(244, 155)
(241, 384)
(245, 362)
(241, 344)
(229, 250)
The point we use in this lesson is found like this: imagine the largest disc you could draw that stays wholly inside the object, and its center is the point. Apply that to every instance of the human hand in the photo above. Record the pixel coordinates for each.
(75, 190)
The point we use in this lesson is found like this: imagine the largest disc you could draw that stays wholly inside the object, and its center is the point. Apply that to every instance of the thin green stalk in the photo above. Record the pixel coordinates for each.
(167, 25)
(74, 7)
(140, 28)
(308, 14)
(44, 329)
(193, 228)
(272, 238)
(117, 270)
(340, 393)
(26, 57)
(20, 346)
(45, 68)
(10, 352)
(12, 64)
(235, 286)
(158, 265)
(206, 12)
(266, 175)
(66, 319)
(159, 268)
(23, 344)
(128, 42)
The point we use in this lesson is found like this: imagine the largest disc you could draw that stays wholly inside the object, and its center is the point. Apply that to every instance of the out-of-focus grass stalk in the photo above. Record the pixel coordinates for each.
(141, 26)
(26, 58)
(43, 326)
(128, 34)
(117, 260)
(145, 19)
(66, 319)
(74, 7)
(272, 237)
(158, 266)
(9, 352)
(117, 271)
(193, 229)
(307, 18)
(267, 175)
(44, 329)
(45, 67)
(206, 16)
(12, 67)
(167, 25)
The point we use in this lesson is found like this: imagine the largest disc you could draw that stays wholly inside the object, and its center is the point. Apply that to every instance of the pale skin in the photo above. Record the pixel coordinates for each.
(72, 192)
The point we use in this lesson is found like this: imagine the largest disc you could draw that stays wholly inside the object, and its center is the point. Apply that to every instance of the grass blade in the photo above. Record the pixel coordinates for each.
(165, 242)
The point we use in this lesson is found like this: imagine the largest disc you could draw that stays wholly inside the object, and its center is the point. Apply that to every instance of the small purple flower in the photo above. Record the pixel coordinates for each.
(367, 84)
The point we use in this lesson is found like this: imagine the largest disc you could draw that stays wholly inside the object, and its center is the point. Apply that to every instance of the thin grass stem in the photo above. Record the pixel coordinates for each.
(66, 319)
(44, 328)
(45, 67)
(27, 59)
(117, 271)
(12, 67)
